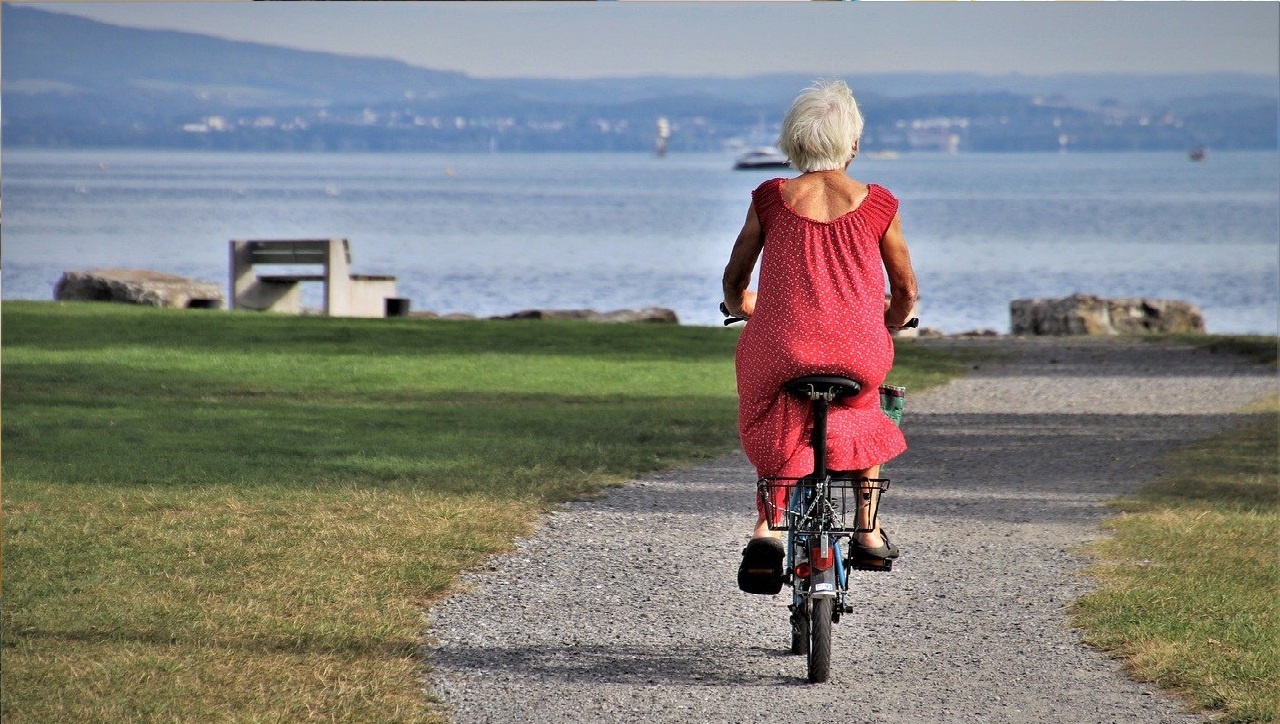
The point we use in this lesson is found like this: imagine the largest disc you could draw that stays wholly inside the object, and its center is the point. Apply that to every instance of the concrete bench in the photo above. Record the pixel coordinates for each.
(345, 294)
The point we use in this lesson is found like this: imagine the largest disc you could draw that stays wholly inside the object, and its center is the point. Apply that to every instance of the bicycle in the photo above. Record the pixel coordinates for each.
(820, 513)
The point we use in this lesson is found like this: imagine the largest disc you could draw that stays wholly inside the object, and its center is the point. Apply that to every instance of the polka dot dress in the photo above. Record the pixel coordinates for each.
(820, 310)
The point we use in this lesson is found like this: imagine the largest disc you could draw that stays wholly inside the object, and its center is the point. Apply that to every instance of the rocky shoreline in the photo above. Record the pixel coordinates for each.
(651, 315)
(1076, 315)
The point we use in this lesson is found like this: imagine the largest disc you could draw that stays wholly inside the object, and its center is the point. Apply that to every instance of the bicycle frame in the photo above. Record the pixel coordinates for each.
(821, 573)
(817, 536)
(815, 517)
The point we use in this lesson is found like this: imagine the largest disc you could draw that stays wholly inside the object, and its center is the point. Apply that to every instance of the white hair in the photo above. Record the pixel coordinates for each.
(821, 127)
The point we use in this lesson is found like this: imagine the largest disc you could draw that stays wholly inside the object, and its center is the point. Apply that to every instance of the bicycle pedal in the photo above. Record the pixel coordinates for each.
(885, 565)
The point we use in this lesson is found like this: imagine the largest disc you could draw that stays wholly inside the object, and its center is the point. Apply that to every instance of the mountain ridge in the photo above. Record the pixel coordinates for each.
(130, 86)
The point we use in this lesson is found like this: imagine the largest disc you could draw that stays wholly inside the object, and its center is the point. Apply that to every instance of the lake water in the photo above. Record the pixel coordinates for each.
(495, 233)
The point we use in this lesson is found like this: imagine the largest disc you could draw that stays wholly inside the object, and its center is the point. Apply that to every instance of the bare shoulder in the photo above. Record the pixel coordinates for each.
(823, 197)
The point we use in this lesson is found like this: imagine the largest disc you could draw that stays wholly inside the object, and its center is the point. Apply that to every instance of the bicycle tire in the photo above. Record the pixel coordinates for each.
(820, 639)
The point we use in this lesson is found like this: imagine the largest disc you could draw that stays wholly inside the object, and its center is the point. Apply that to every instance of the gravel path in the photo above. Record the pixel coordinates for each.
(625, 608)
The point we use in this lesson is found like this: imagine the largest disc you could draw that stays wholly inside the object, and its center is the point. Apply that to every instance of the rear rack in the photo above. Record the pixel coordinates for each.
(796, 501)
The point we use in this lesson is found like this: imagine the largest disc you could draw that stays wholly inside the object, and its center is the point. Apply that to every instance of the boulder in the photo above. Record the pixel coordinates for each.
(979, 333)
(647, 314)
(659, 315)
(551, 314)
(1084, 314)
(138, 286)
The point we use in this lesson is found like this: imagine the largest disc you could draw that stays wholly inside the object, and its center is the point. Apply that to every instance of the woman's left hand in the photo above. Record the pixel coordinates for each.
(737, 273)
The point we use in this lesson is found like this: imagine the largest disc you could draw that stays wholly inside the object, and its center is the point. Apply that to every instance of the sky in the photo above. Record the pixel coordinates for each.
(611, 39)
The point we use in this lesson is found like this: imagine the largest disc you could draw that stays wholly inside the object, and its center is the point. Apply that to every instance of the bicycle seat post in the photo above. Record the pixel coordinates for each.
(820, 401)
(821, 391)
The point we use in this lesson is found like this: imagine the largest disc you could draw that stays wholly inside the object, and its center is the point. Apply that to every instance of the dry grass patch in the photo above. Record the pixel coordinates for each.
(196, 607)
(1189, 585)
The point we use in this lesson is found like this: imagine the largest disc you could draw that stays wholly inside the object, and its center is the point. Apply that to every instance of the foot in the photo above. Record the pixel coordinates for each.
(762, 563)
(875, 544)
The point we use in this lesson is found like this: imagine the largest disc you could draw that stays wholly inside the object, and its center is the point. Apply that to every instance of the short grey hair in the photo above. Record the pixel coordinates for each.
(821, 127)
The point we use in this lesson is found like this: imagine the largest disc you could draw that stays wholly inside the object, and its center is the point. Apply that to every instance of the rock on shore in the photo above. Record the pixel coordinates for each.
(647, 314)
(1084, 314)
(138, 286)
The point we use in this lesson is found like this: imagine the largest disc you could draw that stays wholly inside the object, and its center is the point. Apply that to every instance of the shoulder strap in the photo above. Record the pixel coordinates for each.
(881, 205)
(766, 198)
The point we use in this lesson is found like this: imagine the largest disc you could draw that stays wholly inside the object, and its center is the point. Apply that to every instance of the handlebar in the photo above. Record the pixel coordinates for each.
(730, 319)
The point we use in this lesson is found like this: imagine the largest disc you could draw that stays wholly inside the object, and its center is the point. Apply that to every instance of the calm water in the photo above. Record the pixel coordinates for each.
(492, 234)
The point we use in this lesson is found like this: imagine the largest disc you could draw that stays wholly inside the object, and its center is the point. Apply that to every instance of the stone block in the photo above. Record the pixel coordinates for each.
(1084, 314)
(139, 286)
(659, 315)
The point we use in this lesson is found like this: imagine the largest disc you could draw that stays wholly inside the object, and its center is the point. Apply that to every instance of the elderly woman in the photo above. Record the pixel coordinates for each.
(827, 242)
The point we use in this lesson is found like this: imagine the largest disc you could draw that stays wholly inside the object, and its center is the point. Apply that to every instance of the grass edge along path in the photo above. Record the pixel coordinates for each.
(226, 516)
(1189, 581)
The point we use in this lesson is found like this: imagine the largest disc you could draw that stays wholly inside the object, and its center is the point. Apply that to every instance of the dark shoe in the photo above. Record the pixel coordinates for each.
(879, 558)
(761, 569)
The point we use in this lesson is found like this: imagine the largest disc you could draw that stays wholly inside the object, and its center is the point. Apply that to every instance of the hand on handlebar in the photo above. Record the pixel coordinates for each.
(730, 319)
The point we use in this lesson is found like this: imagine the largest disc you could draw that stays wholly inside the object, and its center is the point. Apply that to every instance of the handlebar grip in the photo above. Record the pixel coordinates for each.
(731, 319)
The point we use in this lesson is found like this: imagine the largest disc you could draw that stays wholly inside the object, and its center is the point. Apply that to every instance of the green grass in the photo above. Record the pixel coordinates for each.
(224, 516)
(1257, 347)
(1189, 586)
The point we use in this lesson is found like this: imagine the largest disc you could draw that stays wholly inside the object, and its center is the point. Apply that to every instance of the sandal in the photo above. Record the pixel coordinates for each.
(761, 569)
(879, 558)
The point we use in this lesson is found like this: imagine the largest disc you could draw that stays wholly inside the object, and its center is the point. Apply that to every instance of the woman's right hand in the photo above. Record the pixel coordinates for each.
(903, 292)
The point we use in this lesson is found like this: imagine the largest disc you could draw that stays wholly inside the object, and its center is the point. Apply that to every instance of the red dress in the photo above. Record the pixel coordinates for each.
(820, 310)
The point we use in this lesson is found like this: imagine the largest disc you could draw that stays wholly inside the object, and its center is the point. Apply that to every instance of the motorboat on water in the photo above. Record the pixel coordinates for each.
(767, 157)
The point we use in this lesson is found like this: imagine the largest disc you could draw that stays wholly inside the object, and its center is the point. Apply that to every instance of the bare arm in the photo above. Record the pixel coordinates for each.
(742, 261)
(902, 278)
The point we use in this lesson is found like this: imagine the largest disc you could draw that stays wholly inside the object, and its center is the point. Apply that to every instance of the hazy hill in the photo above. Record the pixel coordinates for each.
(53, 51)
(70, 81)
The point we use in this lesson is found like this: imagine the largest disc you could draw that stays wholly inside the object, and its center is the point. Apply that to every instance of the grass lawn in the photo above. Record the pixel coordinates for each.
(1189, 586)
(226, 516)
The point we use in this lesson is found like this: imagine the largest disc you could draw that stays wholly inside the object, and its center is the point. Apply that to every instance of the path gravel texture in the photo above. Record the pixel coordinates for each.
(625, 608)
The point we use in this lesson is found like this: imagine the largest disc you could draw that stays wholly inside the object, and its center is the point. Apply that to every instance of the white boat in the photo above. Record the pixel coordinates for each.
(664, 132)
(768, 157)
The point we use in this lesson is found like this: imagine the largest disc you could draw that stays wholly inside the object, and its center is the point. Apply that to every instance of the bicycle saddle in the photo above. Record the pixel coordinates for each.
(838, 387)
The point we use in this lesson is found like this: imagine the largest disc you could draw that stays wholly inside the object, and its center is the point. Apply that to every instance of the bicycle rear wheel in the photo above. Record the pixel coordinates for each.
(820, 639)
